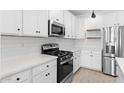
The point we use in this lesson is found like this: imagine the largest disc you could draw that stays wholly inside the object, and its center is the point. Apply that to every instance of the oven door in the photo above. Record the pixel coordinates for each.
(65, 69)
(56, 29)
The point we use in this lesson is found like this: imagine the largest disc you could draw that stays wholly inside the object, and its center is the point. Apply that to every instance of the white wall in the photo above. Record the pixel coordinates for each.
(19, 47)
(89, 44)
(84, 23)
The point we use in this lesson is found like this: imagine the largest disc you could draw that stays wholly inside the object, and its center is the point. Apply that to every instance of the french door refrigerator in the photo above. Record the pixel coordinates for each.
(113, 46)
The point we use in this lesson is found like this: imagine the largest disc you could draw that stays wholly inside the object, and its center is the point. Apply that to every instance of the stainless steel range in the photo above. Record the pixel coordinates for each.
(64, 62)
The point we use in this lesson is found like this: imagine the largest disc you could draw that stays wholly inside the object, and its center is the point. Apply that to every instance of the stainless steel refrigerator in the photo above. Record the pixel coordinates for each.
(113, 46)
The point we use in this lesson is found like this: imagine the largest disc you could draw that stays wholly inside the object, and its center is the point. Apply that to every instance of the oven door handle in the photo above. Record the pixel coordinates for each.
(66, 61)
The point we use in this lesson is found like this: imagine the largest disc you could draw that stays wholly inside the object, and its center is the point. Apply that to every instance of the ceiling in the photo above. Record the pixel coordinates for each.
(83, 12)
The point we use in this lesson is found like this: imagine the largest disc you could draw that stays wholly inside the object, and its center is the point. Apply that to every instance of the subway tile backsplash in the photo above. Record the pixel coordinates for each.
(19, 47)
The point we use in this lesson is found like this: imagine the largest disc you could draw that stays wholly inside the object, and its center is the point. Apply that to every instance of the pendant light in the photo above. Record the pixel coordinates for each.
(93, 14)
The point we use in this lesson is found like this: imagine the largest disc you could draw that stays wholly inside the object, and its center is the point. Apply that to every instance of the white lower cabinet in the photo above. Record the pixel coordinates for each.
(45, 73)
(76, 61)
(22, 77)
(68, 25)
(48, 76)
(91, 59)
(41, 68)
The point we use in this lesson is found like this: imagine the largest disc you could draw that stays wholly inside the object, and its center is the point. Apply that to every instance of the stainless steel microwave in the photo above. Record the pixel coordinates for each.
(55, 29)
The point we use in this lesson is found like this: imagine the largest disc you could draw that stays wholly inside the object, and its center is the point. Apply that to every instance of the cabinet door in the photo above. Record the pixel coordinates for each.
(73, 22)
(18, 78)
(96, 58)
(81, 28)
(109, 19)
(120, 18)
(76, 63)
(11, 22)
(35, 22)
(48, 76)
(52, 77)
(67, 22)
(43, 23)
(30, 22)
(41, 78)
(91, 60)
(79, 59)
(56, 15)
(86, 59)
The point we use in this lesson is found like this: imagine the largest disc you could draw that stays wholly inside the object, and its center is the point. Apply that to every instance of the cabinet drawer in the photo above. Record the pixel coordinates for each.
(18, 78)
(43, 67)
(48, 76)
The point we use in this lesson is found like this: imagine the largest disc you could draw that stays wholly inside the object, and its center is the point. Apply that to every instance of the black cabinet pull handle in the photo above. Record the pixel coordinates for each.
(57, 19)
(47, 65)
(18, 79)
(37, 31)
(46, 75)
(18, 29)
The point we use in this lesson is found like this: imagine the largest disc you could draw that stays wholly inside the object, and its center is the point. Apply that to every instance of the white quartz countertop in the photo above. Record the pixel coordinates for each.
(120, 62)
(18, 65)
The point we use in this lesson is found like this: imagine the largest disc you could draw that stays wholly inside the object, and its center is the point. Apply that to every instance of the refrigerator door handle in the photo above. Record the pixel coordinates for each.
(116, 41)
(120, 44)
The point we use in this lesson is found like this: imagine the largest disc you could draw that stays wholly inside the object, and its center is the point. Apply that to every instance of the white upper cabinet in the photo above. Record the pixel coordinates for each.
(67, 23)
(56, 15)
(112, 19)
(73, 22)
(71, 25)
(109, 19)
(43, 22)
(120, 18)
(11, 22)
(30, 24)
(35, 22)
(80, 28)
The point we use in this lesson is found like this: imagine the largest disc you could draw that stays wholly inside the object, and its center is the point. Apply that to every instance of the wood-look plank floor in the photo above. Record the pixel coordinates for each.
(84, 75)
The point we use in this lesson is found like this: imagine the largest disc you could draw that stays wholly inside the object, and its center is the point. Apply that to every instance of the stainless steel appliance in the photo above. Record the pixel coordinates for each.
(56, 29)
(64, 61)
(113, 46)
